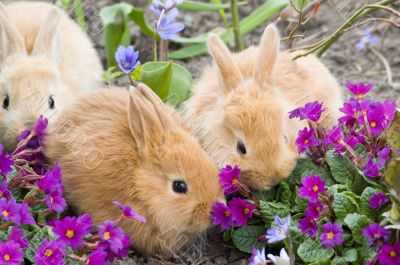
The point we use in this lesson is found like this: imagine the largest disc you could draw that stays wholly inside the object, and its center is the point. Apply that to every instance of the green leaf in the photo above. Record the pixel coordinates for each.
(342, 169)
(336, 189)
(344, 205)
(350, 255)
(36, 241)
(270, 209)
(245, 238)
(116, 28)
(267, 195)
(356, 222)
(137, 15)
(199, 6)
(303, 164)
(339, 261)
(392, 170)
(284, 193)
(364, 204)
(312, 251)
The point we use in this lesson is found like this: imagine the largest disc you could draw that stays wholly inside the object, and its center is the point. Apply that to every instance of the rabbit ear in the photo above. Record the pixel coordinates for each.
(146, 116)
(48, 40)
(228, 69)
(269, 47)
(11, 40)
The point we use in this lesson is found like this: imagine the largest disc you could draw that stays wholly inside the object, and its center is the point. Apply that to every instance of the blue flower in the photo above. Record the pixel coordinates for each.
(127, 59)
(166, 26)
(367, 39)
(281, 231)
(169, 6)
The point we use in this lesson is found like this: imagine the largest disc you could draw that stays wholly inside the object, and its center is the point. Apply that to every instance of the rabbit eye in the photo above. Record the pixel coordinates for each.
(241, 148)
(179, 187)
(51, 102)
(6, 102)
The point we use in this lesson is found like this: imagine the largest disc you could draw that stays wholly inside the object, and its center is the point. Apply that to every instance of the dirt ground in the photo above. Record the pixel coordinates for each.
(342, 59)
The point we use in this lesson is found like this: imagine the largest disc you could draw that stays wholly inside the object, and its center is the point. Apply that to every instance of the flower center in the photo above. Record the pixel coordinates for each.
(7, 257)
(315, 188)
(235, 181)
(393, 253)
(51, 199)
(306, 141)
(106, 235)
(359, 96)
(379, 243)
(70, 233)
(246, 210)
(373, 124)
(127, 64)
(227, 213)
(5, 213)
(48, 252)
(318, 208)
(329, 235)
(377, 235)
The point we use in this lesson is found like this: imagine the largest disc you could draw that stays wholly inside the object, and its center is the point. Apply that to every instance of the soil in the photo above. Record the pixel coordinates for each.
(342, 59)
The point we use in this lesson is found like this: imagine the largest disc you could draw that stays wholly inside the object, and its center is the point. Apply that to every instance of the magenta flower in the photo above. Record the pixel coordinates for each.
(4, 191)
(221, 215)
(384, 153)
(17, 236)
(308, 226)
(55, 201)
(50, 252)
(111, 236)
(388, 109)
(377, 235)
(25, 215)
(9, 210)
(375, 119)
(41, 125)
(305, 140)
(130, 213)
(10, 253)
(241, 211)
(127, 59)
(332, 235)
(312, 187)
(122, 253)
(97, 257)
(229, 179)
(314, 209)
(281, 231)
(371, 168)
(378, 200)
(6, 162)
(350, 109)
(71, 230)
(364, 106)
(358, 89)
(390, 255)
(51, 181)
(311, 111)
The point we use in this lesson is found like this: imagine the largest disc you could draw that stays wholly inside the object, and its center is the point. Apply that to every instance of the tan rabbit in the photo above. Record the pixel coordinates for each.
(240, 106)
(118, 146)
(46, 60)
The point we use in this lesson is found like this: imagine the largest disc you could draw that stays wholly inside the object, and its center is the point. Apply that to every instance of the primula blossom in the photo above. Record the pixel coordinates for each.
(312, 187)
(281, 231)
(332, 235)
(229, 178)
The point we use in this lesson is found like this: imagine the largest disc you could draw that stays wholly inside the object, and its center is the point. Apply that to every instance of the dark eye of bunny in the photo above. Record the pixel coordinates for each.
(179, 187)
(241, 148)
(6, 102)
(51, 102)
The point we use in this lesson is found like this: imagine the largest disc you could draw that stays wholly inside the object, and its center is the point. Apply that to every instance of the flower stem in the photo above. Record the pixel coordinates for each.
(290, 249)
(163, 50)
(75, 257)
(155, 48)
(236, 26)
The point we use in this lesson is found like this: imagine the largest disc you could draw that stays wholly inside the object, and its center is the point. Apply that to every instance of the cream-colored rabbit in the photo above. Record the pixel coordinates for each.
(46, 60)
(240, 107)
(114, 145)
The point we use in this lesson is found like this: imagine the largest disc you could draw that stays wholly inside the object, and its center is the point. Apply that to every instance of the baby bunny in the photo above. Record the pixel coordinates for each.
(115, 145)
(239, 109)
(45, 61)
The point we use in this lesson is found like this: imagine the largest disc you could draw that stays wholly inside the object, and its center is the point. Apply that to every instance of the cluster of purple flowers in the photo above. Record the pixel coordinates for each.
(167, 12)
(363, 123)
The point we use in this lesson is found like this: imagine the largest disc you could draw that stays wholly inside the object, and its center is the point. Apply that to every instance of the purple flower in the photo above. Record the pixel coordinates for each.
(308, 226)
(50, 252)
(25, 215)
(23, 135)
(241, 211)
(71, 230)
(122, 253)
(55, 201)
(169, 6)
(364, 106)
(334, 135)
(332, 235)
(312, 186)
(384, 153)
(281, 231)
(130, 213)
(5, 162)
(305, 139)
(4, 191)
(314, 209)
(371, 169)
(40, 127)
(358, 89)
(367, 39)
(10, 253)
(17, 236)
(257, 257)
(375, 119)
(97, 257)
(389, 255)
(311, 111)
(376, 235)
(388, 109)
(378, 200)
(221, 215)
(127, 58)
(51, 181)
(166, 26)
(111, 236)
(350, 109)
(9, 210)
(229, 179)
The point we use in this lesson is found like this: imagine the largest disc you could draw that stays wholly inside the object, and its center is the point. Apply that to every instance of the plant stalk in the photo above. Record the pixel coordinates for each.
(155, 48)
(236, 26)
(290, 249)
(163, 50)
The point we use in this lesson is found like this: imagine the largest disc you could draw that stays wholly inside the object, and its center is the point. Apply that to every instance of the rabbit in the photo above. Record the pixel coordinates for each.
(240, 104)
(115, 145)
(46, 60)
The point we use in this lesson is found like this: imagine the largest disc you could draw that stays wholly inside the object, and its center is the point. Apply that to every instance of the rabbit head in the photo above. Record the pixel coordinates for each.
(30, 82)
(252, 115)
